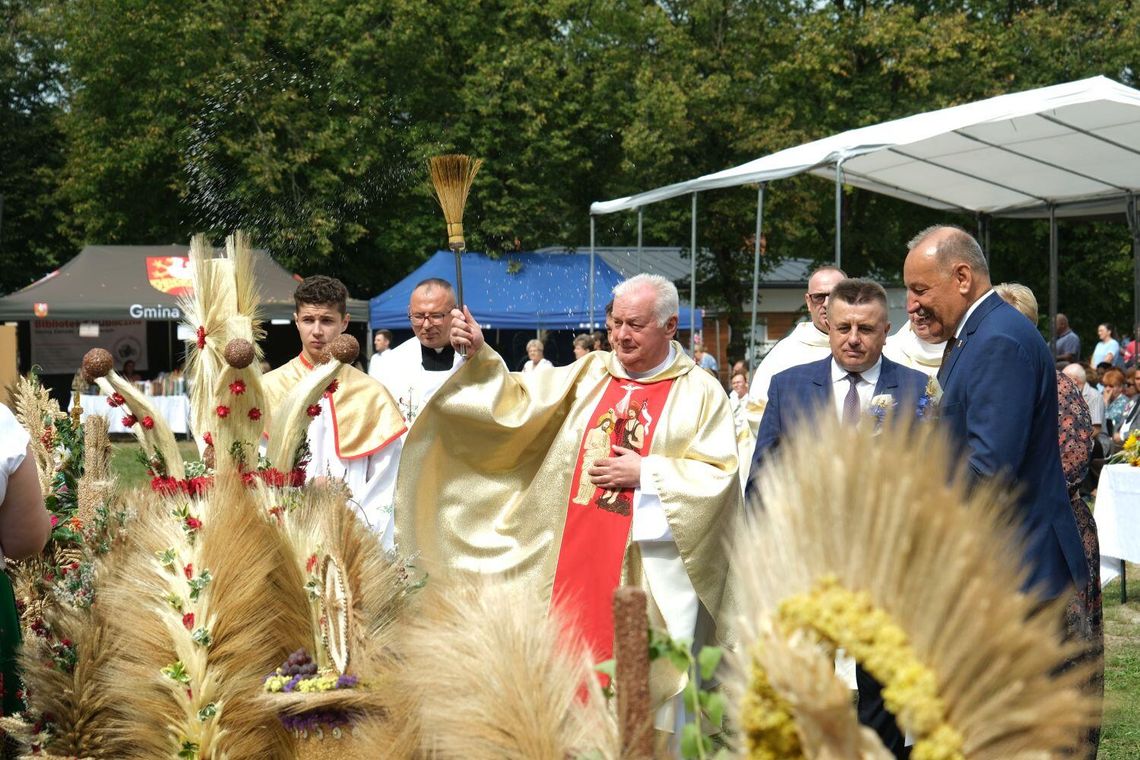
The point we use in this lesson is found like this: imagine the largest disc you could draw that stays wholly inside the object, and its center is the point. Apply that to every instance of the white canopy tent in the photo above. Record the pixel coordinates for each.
(1067, 150)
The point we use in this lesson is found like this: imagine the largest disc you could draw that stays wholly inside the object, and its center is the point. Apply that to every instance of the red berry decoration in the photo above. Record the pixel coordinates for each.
(332, 387)
(313, 410)
(115, 399)
(237, 387)
(129, 420)
(148, 422)
(188, 620)
(223, 411)
(209, 439)
(201, 337)
(254, 414)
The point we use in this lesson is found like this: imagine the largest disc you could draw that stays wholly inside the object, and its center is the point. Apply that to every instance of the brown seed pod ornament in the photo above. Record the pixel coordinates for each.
(97, 363)
(238, 353)
(345, 349)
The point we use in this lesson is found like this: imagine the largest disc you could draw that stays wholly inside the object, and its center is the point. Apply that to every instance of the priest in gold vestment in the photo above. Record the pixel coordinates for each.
(356, 427)
(619, 468)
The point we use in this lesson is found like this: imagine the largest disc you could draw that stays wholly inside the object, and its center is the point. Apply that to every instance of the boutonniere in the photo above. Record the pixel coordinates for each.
(928, 401)
(881, 405)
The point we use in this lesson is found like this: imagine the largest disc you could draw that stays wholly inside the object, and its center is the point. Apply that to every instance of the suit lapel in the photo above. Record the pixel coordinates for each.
(888, 377)
(821, 382)
(988, 304)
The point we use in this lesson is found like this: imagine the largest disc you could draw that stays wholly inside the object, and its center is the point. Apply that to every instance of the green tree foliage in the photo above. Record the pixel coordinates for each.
(309, 122)
(31, 149)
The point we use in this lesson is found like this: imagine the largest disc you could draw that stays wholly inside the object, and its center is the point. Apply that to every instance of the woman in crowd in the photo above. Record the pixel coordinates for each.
(1108, 349)
(534, 351)
(1131, 418)
(583, 344)
(24, 530)
(1114, 399)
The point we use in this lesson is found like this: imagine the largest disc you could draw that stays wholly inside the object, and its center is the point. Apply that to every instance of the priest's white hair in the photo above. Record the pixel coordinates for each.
(666, 302)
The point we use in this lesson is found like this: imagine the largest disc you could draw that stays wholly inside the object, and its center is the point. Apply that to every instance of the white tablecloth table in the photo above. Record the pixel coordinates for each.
(174, 409)
(1117, 517)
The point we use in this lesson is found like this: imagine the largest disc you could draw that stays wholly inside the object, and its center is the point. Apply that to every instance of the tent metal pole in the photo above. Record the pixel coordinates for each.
(1133, 216)
(839, 214)
(592, 325)
(756, 273)
(1053, 279)
(984, 235)
(693, 280)
(640, 217)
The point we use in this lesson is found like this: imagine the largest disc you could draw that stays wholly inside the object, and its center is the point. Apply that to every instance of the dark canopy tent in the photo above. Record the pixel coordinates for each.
(517, 291)
(131, 282)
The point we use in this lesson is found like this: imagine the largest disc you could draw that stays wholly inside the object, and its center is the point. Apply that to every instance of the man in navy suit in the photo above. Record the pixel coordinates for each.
(846, 381)
(844, 384)
(999, 398)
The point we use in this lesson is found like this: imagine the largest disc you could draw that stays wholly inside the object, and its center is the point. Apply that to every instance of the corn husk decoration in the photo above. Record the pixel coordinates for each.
(514, 687)
(140, 415)
(451, 177)
(225, 376)
(66, 644)
(858, 541)
(210, 601)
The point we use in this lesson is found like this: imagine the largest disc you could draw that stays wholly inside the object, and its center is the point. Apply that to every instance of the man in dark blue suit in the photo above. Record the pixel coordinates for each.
(844, 384)
(999, 398)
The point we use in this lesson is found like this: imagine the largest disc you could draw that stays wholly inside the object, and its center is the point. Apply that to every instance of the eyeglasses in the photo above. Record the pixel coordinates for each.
(818, 298)
(419, 319)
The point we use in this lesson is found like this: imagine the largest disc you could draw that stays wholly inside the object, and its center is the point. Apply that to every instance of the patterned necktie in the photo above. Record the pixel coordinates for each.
(950, 344)
(851, 403)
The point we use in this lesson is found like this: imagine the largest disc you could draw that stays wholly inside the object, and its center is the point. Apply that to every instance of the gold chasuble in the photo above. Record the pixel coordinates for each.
(491, 479)
(365, 419)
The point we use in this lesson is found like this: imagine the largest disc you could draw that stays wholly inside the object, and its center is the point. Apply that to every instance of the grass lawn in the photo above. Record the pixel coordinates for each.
(1120, 738)
(125, 462)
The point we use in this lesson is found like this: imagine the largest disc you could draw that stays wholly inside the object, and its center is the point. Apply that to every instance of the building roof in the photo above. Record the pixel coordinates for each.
(672, 263)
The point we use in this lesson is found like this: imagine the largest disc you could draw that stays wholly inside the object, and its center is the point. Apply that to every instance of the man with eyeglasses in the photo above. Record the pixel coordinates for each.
(808, 342)
(356, 431)
(415, 369)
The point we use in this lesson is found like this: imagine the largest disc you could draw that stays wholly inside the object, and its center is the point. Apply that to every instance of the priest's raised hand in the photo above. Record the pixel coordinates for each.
(466, 335)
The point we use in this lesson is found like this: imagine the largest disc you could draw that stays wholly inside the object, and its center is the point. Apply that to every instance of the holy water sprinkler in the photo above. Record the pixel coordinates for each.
(451, 176)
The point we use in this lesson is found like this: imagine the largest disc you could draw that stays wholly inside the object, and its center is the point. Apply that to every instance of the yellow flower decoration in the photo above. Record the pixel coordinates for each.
(849, 619)
(767, 721)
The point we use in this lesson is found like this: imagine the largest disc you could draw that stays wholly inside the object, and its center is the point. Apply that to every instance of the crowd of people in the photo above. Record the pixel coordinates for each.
(632, 464)
(600, 446)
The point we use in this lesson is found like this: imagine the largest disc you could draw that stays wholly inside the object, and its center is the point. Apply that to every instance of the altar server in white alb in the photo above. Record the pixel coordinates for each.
(808, 342)
(413, 371)
(356, 431)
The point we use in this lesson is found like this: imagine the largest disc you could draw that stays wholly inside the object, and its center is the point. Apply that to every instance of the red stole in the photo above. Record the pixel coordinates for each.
(598, 522)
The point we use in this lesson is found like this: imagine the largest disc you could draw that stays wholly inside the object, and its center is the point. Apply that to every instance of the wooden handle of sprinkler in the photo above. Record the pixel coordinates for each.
(457, 247)
(631, 655)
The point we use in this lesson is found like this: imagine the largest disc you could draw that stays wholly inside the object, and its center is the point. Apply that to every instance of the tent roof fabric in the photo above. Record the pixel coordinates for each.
(517, 291)
(1075, 146)
(115, 282)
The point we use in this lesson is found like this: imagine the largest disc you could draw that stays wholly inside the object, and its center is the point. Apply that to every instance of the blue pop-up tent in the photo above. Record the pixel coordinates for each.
(517, 291)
